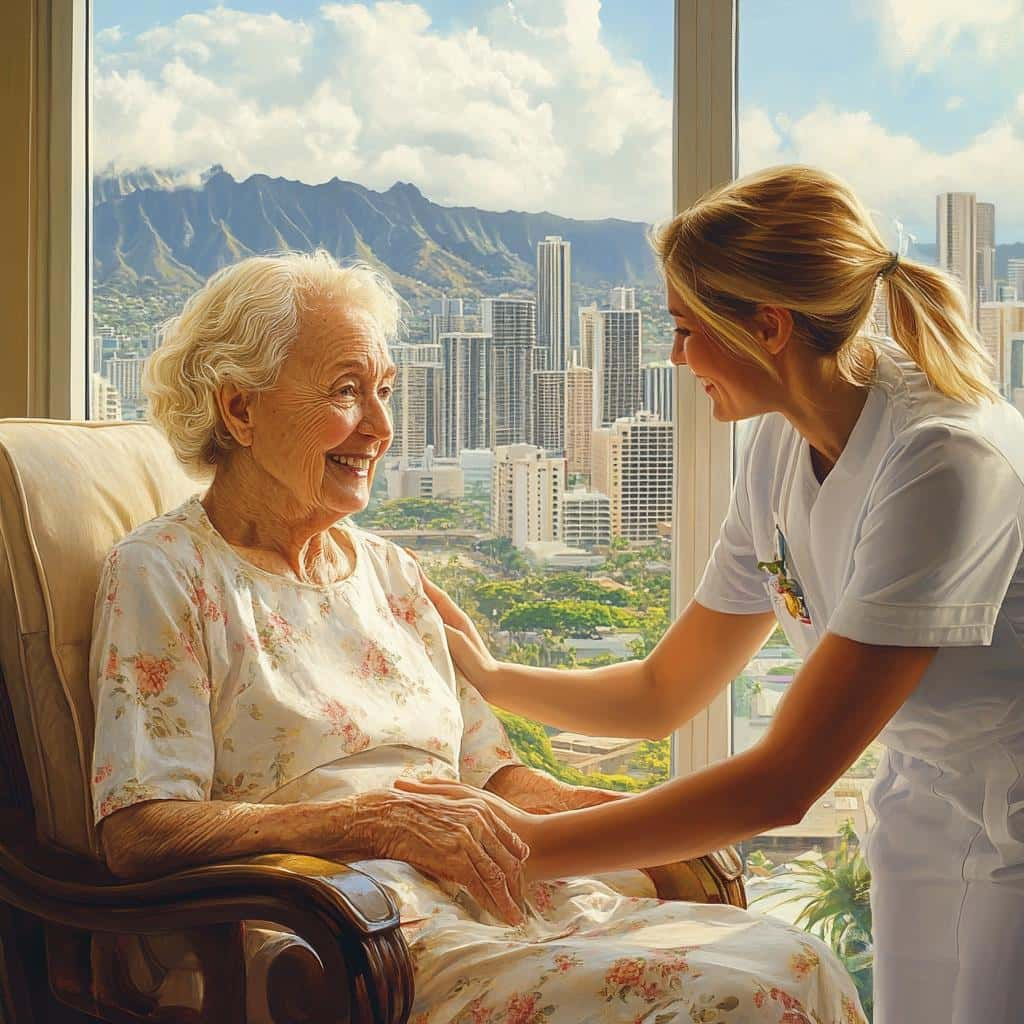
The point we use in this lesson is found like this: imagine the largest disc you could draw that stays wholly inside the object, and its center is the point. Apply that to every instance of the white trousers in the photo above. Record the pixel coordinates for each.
(947, 896)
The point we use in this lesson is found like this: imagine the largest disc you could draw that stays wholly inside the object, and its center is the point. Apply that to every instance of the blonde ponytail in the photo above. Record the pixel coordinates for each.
(798, 238)
(929, 320)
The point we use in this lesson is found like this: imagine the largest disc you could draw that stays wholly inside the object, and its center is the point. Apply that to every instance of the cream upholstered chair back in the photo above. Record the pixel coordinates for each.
(68, 493)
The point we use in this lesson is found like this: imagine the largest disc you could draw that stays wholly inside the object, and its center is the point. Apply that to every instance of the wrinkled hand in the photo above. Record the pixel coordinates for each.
(521, 823)
(460, 841)
(537, 792)
(466, 646)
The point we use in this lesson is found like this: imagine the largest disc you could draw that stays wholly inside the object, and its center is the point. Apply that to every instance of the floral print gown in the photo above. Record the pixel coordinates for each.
(216, 680)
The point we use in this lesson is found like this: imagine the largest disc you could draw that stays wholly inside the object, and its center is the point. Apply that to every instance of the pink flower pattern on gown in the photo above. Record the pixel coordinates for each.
(213, 679)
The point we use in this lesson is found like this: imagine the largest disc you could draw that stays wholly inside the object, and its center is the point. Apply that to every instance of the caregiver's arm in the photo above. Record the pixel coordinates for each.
(837, 704)
(700, 654)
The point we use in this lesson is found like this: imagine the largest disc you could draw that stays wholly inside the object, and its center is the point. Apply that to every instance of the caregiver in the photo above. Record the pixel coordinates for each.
(876, 514)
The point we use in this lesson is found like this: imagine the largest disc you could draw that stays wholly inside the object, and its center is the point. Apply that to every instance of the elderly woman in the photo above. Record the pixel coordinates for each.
(263, 673)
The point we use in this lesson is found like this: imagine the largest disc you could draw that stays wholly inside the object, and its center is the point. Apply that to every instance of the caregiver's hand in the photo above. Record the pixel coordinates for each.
(467, 648)
(464, 842)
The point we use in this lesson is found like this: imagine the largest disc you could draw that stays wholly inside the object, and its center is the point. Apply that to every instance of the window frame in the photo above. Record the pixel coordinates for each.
(704, 157)
(55, 345)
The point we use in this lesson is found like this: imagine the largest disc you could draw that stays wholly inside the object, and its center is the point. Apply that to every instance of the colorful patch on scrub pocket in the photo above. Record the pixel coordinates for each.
(782, 583)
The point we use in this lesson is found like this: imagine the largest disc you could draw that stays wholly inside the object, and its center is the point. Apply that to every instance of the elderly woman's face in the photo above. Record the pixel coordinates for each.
(320, 430)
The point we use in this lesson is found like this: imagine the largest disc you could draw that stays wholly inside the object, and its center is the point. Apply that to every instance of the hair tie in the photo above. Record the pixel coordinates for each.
(894, 260)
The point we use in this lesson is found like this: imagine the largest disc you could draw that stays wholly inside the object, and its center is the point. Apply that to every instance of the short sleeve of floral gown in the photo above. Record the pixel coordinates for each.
(485, 744)
(150, 684)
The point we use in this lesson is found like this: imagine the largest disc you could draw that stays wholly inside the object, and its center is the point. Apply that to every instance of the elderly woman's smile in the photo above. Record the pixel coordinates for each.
(310, 443)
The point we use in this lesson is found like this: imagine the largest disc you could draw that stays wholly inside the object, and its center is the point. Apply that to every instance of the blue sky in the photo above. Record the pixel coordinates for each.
(902, 97)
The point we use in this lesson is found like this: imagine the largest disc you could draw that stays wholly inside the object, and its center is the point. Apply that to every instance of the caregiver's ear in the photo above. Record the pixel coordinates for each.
(773, 327)
(235, 407)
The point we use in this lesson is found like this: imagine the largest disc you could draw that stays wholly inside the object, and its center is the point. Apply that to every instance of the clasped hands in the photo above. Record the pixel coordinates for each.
(492, 838)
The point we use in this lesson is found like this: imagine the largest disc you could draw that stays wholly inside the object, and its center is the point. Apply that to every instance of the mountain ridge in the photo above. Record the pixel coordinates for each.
(146, 227)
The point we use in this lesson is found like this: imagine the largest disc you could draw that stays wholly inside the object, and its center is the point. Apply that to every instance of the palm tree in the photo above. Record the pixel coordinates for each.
(836, 906)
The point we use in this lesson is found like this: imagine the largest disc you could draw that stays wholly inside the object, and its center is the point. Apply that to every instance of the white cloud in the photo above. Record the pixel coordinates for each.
(925, 32)
(893, 173)
(112, 35)
(954, 103)
(527, 110)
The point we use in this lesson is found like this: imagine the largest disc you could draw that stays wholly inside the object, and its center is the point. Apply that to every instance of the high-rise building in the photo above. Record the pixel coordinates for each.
(617, 343)
(549, 411)
(526, 494)
(621, 297)
(452, 323)
(956, 241)
(634, 464)
(467, 406)
(125, 374)
(579, 416)
(512, 324)
(986, 251)
(999, 324)
(415, 402)
(1015, 274)
(880, 308)
(104, 401)
(658, 386)
(446, 305)
(554, 303)
(586, 518)
(588, 331)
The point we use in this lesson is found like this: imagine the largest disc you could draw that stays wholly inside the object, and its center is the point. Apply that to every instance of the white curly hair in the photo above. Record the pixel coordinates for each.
(238, 327)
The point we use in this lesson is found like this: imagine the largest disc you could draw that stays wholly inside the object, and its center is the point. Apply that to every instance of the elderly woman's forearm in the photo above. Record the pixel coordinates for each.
(160, 836)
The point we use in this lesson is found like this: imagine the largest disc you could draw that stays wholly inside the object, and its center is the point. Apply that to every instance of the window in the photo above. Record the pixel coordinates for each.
(404, 134)
(904, 102)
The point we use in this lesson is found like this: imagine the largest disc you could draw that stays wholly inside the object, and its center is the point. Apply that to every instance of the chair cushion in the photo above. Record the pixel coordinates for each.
(68, 492)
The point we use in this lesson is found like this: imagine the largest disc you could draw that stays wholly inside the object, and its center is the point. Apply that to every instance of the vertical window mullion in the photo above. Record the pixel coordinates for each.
(704, 156)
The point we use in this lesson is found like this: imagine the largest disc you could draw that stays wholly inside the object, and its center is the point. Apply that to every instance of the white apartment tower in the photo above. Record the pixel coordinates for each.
(956, 241)
(467, 407)
(986, 252)
(1015, 275)
(416, 402)
(617, 344)
(549, 411)
(658, 390)
(579, 413)
(554, 302)
(634, 464)
(588, 331)
(586, 519)
(621, 297)
(1001, 324)
(512, 324)
(104, 401)
(125, 374)
(526, 494)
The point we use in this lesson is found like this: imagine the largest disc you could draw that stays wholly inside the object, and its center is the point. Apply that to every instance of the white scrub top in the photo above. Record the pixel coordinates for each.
(914, 539)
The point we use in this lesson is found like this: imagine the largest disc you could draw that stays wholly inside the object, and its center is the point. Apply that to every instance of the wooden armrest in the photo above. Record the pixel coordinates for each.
(346, 916)
(714, 878)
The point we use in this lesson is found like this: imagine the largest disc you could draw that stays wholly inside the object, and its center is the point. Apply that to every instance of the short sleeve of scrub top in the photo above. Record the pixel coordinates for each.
(732, 582)
(938, 546)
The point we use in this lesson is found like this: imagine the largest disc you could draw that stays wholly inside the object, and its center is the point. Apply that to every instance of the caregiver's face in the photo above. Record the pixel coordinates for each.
(738, 389)
(325, 424)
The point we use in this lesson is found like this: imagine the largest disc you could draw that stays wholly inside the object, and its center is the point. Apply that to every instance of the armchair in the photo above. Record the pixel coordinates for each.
(78, 945)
